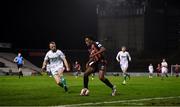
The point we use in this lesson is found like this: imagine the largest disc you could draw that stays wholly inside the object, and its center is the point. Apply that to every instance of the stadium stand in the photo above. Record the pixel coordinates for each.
(2, 64)
(10, 66)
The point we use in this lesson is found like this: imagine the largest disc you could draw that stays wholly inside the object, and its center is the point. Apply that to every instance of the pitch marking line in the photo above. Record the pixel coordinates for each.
(121, 101)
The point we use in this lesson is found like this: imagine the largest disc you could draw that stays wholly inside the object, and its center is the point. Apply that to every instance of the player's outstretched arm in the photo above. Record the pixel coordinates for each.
(129, 57)
(66, 64)
(117, 57)
(44, 65)
(15, 59)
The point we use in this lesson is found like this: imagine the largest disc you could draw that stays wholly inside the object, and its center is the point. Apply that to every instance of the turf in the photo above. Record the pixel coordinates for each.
(42, 91)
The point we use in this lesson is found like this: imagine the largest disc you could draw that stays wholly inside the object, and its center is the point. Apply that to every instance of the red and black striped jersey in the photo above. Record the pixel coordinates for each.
(93, 48)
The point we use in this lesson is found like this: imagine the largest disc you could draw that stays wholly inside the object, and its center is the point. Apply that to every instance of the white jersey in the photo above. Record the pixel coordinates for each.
(123, 57)
(55, 59)
(164, 66)
(151, 69)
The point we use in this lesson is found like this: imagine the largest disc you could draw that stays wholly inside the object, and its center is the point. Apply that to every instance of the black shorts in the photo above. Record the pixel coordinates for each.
(97, 65)
(19, 65)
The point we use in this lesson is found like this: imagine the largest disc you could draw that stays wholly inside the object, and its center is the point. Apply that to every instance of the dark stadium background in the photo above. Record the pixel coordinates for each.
(29, 25)
(33, 23)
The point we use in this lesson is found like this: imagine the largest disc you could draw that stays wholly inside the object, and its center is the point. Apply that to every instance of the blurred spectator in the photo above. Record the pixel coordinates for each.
(177, 70)
(77, 68)
(158, 70)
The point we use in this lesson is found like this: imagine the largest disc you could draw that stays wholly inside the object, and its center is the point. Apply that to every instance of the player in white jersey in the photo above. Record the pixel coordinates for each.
(151, 70)
(56, 60)
(164, 68)
(123, 58)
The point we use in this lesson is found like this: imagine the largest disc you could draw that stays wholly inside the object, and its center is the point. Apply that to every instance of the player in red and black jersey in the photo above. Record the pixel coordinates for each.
(158, 69)
(96, 62)
(177, 70)
(77, 68)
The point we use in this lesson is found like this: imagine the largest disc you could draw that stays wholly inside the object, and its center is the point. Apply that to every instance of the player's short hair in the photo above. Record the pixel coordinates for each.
(89, 37)
(52, 42)
(123, 47)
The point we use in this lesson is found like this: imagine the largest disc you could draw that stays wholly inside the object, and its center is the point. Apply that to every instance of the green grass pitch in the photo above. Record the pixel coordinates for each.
(42, 91)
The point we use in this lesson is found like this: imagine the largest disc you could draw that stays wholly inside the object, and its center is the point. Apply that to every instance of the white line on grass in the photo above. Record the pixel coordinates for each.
(121, 101)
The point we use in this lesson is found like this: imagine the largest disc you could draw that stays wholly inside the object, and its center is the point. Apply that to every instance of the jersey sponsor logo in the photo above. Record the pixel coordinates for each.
(55, 59)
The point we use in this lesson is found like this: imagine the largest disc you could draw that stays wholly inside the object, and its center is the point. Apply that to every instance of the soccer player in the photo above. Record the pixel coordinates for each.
(151, 69)
(177, 70)
(77, 68)
(97, 62)
(158, 69)
(20, 62)
(164, 68)
(123, 57)
(57, 60)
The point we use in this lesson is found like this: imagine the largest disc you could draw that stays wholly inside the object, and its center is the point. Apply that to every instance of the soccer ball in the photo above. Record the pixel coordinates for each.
(84, 92)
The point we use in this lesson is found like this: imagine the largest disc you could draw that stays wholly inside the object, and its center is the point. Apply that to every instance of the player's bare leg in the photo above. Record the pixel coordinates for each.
(92, 76)
(60, 80)
(57, 79)
(20, 72)
(86, 74)
(88, 71)
(166, 74)
(162, 75)
(125, 75)
(177, 74)
(106, 81)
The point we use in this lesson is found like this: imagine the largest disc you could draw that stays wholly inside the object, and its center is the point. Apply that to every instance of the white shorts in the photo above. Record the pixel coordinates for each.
(151, 71)
(164, 70)
(55, 70)
(48, 69)
(124, 66)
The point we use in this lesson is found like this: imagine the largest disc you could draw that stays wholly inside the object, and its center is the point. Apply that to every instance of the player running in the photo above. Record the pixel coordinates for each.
(177, 70)
(57, 60)
(96, 62)
(158, 70)
(123, 57)
(77, 68)
(20, 62)
(164, 69)
(151, 69)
